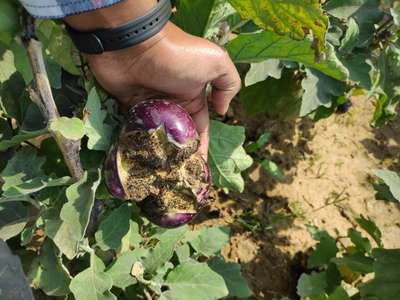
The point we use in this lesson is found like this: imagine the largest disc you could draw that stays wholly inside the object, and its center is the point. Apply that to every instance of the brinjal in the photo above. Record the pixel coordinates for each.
(156, 164)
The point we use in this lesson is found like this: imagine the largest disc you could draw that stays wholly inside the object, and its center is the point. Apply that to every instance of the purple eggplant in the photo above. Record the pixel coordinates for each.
(155, 163)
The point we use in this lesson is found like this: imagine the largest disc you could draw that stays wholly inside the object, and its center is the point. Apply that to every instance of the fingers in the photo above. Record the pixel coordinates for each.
(198, 109)
(225, 86)
(201, 119)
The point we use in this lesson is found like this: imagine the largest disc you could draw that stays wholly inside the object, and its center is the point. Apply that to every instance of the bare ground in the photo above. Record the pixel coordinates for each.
(327, 167)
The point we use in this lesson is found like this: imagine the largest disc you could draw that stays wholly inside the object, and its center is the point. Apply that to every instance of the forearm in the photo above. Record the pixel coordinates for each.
(112, 16)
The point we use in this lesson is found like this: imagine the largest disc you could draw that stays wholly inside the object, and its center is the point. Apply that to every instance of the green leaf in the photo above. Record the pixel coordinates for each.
(35, 185)
(343, 9)
(319, 90)
(195, 281)
(279, 98)
(132, 239)
(54, 72)
(193, 16)
(335, 32)
(158, 282)
(366, 12)
(262, 70)
(24, 175)
(24, 165)
(202, 17)
(395, 12)
(183, 253)
(386, 283)
(70, 128)
(20, 198)
(391, 179)
(21, 61)
(370, 227)
(387, 84)
(256, 47)
(92, 283)
(48, 273)
(230, 272)
(59, 45)
(6, 132)
(324, 251)
(382, 192)
(333, 277)
(339, 294)
(351, 38)
(68, 232)
(359, 69)
(11, 101)
(134, 234)
(310, 285)
(27, 235)
(210, 240)
(362, 244)
(272, 169)
(33, 120)
(113, 228)
(9, 20)
(294, 17)
(62, 236)
(80, 197)
(13, 218)
(55, 163)
(7, 67)
(120, 270)
(164, 249)
(97, 131)
(20, 137)
(260, 143)
(356, 262)
(227, 158)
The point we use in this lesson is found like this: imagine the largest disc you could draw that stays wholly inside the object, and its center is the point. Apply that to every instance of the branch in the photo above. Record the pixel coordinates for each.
(147, 294)
(41, 94)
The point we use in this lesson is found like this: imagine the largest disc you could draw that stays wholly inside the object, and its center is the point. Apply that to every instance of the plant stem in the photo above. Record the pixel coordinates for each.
(147, 294)
(41, 94)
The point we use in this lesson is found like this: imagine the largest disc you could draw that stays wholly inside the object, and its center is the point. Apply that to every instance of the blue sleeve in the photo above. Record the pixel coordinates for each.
(61, 8)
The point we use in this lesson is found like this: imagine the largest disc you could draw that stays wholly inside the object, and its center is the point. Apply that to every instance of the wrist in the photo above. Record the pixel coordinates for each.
(112, 16)
(117, 29)
(129, 54)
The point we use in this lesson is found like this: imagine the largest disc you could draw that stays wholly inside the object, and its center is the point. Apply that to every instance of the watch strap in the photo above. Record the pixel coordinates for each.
(124, 36)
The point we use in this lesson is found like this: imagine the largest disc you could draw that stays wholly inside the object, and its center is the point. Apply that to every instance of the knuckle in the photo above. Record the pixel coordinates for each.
(194, 106)
(198, 106)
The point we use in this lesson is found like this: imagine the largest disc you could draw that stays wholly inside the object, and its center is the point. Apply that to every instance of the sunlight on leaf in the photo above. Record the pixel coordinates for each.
(256, 47)
(70, 128)
(227, 158)
(293, 17)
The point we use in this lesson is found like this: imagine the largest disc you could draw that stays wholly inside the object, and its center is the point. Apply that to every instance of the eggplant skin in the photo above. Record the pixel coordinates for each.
(149, 115)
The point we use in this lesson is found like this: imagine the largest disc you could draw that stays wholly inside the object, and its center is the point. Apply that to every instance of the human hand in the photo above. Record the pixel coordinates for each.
(175, 65)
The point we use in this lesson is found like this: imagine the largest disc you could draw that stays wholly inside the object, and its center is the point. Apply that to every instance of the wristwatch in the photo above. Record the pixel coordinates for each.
(127, 35)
